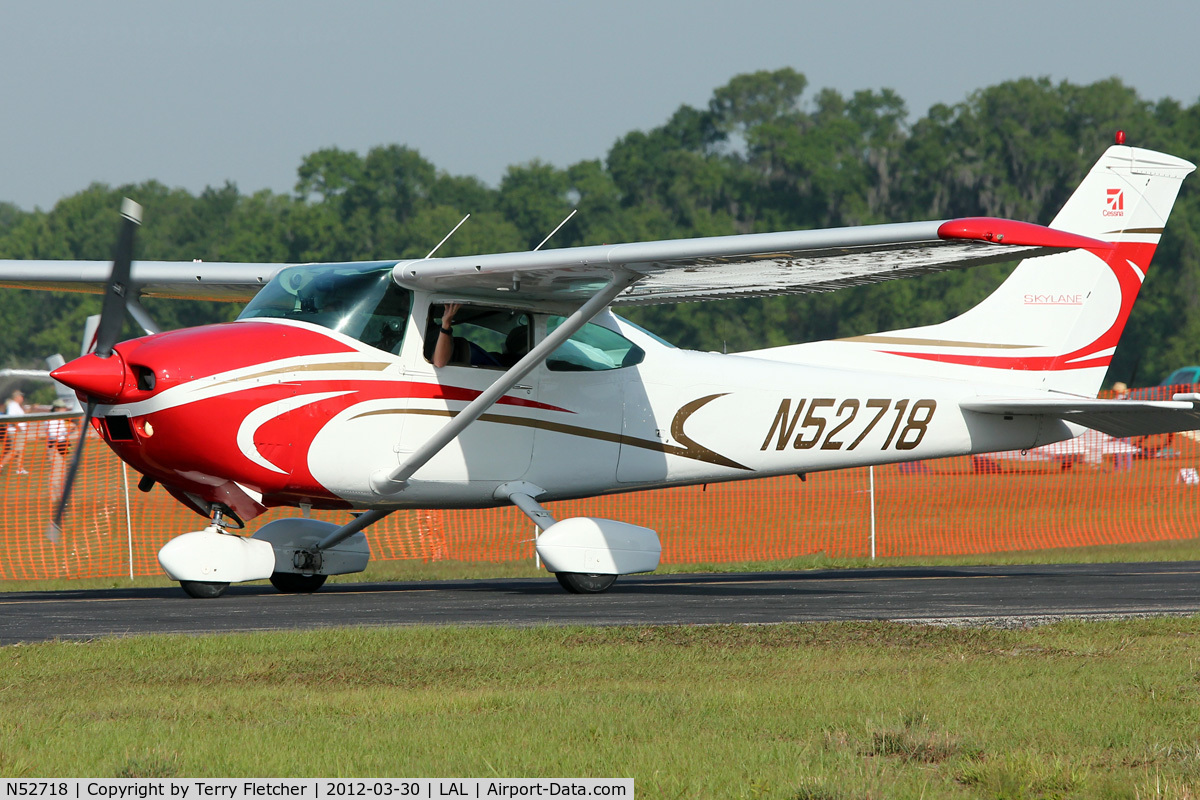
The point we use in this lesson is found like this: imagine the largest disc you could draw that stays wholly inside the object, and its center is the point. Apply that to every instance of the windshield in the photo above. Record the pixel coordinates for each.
(359, 300)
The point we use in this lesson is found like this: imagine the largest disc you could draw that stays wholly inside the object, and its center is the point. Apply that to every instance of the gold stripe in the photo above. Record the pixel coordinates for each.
(690, 448)
(1136, 230)
(365, 366)
(872, 338)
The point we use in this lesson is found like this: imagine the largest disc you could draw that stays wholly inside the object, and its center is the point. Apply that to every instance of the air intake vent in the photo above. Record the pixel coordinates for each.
(145, 378)
(118, 427)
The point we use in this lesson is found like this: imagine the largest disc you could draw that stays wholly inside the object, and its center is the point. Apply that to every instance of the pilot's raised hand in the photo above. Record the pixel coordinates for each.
(445, 341)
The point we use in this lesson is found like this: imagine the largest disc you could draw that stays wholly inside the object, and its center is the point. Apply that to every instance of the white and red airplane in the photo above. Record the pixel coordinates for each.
(324, 393)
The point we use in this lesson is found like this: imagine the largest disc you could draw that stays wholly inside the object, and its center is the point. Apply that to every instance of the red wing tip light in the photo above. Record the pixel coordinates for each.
(1012, 232)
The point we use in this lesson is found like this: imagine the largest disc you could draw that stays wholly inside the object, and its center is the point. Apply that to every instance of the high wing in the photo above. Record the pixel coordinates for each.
(184, 280)
(791, 262)
(664, 271)
(1118, 418)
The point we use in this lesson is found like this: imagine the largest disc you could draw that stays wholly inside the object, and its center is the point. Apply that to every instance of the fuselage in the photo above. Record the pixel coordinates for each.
(279, 409)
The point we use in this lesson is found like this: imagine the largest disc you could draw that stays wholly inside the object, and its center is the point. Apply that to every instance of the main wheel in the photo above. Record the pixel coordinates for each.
(585, 582)
(203, 589)
(295, 583)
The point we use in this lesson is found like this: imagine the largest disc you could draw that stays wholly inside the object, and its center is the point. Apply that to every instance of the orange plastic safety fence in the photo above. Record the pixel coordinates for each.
(949, 506)
(942, 507)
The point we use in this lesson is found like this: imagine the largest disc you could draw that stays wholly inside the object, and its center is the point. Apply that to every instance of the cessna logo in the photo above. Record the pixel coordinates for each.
(1114, 203)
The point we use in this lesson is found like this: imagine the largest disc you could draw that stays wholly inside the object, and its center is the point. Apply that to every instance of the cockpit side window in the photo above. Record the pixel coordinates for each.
(358, 300)
(480, 336)
(593, 348)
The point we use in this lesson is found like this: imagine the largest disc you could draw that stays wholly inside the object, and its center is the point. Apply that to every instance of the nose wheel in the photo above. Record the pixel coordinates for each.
(196, 558)
(203, 590)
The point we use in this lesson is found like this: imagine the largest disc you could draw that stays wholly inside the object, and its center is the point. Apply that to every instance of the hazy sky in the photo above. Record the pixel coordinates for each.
(194, 94)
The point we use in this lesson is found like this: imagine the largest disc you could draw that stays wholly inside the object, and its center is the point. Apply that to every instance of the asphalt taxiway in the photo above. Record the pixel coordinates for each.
(989, 595)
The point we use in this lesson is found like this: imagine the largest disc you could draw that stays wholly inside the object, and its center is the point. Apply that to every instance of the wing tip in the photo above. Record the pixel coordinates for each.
(996, 230)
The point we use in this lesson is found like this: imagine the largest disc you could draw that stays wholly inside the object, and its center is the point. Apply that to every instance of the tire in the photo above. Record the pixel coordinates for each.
(203, 590)
(295, 583)
(585, 582)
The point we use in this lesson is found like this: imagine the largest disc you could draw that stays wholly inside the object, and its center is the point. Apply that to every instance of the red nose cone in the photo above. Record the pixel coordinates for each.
(100, 379)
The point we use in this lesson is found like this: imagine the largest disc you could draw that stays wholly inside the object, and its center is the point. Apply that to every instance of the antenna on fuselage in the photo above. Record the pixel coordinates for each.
(564, 222)
(448, 235)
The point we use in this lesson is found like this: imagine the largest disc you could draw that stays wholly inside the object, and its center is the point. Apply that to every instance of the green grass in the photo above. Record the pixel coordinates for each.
(846, 710)
(383, 571)
(829, 711)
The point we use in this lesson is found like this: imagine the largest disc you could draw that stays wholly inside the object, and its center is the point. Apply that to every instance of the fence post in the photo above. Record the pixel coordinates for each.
(871, 474)
(128, 518)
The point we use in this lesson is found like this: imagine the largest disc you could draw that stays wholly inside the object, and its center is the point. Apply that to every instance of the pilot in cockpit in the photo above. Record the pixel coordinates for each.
(461, 350)
(447, 344)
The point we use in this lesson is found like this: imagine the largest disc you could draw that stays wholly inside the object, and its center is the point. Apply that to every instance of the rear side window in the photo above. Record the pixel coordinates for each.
(593, 348)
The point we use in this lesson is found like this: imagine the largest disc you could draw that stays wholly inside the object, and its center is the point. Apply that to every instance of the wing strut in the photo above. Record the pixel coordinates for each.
(140, 315)
(389, 483)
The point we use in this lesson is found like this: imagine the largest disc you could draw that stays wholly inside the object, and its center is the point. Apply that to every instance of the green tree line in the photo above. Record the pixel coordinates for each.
(765, 154)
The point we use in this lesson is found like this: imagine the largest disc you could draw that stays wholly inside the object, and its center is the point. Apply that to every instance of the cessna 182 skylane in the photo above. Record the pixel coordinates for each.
(324, 392)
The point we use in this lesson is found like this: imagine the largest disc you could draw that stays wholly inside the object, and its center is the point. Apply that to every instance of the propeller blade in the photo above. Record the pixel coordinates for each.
(54, 529)
(112, 317)
(112, 313)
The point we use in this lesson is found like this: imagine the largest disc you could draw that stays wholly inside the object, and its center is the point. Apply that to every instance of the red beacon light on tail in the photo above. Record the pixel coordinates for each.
(1120, 137)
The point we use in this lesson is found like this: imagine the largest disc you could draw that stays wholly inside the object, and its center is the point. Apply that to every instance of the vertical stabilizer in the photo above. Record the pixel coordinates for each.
(1055, 322)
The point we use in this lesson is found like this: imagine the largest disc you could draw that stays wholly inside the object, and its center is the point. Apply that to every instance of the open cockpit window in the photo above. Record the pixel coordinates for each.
(358, 300)
(479, 336)
(593, 348)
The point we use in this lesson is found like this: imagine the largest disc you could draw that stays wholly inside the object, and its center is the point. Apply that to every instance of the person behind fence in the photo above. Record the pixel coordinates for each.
(1124, 460)
(16, 433)
(58, 444)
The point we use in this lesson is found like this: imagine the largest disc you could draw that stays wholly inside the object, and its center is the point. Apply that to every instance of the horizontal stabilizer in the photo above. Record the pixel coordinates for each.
(1115, 417)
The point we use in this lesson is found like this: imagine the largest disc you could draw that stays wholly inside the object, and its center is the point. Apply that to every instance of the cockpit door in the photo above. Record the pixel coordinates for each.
(499, 445)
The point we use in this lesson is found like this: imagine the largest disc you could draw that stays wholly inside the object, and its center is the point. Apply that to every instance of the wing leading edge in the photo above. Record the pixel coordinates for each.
(186, 280)
(674, 270)
(791, 262)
